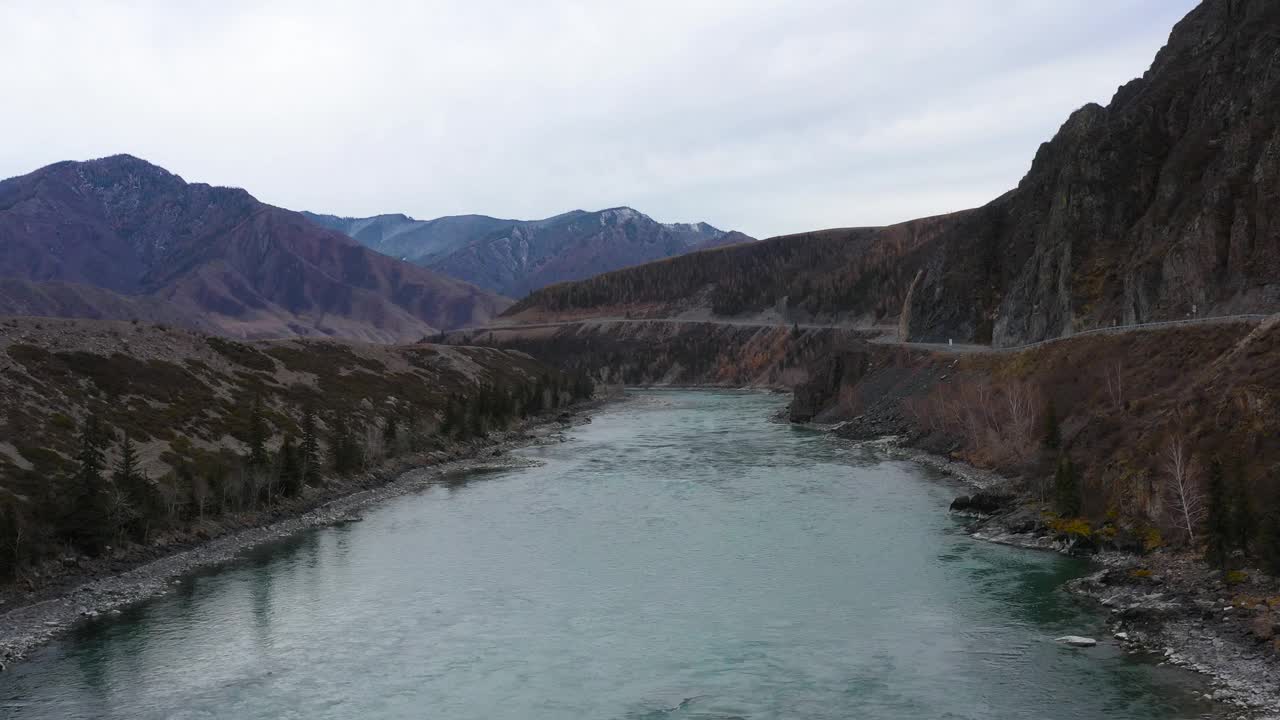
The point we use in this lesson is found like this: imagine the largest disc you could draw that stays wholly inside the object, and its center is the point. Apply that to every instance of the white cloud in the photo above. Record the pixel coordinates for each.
(766, 116)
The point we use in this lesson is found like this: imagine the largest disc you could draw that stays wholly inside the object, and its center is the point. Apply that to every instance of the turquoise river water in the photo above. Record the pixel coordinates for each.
(681, 556)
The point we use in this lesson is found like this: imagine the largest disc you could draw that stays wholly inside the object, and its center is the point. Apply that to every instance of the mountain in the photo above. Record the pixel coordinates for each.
(417, 241)
(1165, 204)
(121, 238)
(513, 257)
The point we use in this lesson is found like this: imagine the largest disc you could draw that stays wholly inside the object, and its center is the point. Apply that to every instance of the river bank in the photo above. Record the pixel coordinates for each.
(76, 599)
(1164, 603)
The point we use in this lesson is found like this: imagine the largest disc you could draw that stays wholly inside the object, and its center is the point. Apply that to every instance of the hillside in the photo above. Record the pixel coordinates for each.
(217, 427)
(1161, 205)
(121, 238)
(513, 257)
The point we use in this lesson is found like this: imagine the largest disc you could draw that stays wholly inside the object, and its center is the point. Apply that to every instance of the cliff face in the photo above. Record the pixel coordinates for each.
(1161, 205)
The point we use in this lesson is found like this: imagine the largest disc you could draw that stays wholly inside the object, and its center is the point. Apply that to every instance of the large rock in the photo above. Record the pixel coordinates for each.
(826, 378)
(1077, 641)
(981, 503)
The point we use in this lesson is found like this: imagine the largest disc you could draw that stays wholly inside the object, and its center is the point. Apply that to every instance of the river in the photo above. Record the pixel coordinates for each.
(681, 556)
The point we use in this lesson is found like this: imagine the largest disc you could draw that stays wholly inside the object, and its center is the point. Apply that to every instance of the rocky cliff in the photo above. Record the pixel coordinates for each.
(1165, 204)
(1161, 205)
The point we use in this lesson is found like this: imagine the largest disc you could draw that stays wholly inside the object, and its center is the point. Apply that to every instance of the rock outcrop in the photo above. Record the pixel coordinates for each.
(1165, 204)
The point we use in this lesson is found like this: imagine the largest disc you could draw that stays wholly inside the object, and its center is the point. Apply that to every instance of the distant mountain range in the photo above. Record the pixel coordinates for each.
(120, 238)
(515, 257)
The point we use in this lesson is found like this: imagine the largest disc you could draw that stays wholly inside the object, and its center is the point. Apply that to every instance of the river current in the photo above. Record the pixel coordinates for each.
(681, 556)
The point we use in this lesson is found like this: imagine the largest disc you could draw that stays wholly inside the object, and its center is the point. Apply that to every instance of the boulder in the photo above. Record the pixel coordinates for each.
(1077, 641)
(981, 503)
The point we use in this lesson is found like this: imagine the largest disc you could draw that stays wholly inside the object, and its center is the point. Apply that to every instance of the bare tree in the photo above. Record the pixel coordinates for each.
(1186, 499)
(171, 497)
(120, 511)
(200, 493)
(1115, 386)
(1023, 407)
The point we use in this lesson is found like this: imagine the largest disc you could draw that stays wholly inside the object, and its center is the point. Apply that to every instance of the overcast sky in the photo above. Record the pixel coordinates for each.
(769, 117)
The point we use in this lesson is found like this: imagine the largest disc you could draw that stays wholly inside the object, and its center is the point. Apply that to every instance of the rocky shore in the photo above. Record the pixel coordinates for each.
(1225, 626)
(29, 626)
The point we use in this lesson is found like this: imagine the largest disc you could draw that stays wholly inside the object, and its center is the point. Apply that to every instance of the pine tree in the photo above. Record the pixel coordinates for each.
(1244, 521)
(257, 458)
(291, 474)
(310, 460)
(89, 522)
(138, 504)
(1052, 432)
(1269, 533)
(475, 420)
(532, 400)
(450, 425)
(389, 435)
(1218, 531)
(1066, 488)
(343, 449)
(1269, 542)
(412, 428)
(126, 473)
(583, 387)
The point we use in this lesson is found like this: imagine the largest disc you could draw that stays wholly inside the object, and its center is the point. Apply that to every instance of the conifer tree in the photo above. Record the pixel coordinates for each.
(1269, 542)
(89, 522)
(1066, 488)
(309, 452)
(475, 419)
(135, 502)
(343, 449)
(126, 473)
(1218, 532)
(412, 428)
(389, 435)
(1052, 432)
(291, 476)
(453, 420)
(257, 458)
(1269, 535)
(1244, 521)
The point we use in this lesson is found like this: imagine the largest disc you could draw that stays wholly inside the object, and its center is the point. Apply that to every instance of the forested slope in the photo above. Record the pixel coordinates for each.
(114, 433)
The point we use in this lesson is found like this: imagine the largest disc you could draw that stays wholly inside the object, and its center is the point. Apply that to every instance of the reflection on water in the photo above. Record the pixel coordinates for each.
(680, 557)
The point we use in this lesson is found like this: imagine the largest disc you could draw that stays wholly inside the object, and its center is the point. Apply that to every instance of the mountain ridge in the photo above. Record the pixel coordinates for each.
(222, 260)
(513, 257)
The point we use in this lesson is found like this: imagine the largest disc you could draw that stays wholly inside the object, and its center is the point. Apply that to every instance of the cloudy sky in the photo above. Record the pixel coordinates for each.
(761, 115)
